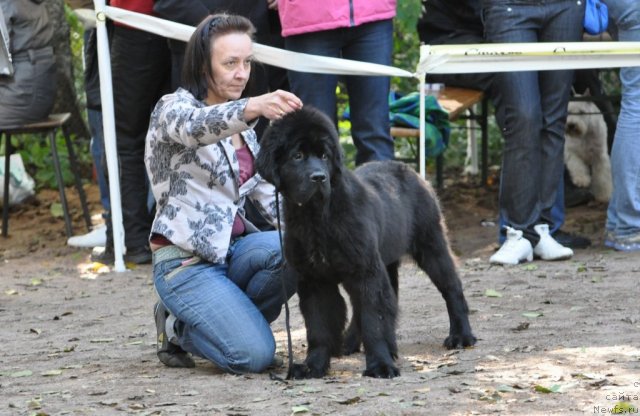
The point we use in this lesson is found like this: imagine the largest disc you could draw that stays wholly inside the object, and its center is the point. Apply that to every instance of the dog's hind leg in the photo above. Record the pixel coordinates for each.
(324, 312)
(431, 252)
(353, 337)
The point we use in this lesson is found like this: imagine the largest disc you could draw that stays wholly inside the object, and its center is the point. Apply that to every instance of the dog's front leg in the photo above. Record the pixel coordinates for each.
(578, 171)
(324, 312)
(375, 305)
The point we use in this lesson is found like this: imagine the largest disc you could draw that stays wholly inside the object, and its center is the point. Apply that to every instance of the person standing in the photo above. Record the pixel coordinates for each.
(623, 214)
(349, 29)
(141, 65)
(532, 114)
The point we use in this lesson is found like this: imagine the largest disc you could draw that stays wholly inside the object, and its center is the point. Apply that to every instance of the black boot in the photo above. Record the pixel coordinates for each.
(169, 354)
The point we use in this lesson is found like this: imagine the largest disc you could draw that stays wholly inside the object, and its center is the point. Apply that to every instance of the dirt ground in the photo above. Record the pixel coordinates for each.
(554, 337)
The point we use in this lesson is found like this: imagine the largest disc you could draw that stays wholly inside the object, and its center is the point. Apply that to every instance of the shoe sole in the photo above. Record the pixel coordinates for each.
(527, 259)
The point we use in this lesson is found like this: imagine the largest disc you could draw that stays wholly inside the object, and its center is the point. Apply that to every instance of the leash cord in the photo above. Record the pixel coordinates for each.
(284, 290)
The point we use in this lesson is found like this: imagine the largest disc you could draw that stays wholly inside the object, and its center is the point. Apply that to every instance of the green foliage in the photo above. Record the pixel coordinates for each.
(77, 45)
(36, 155)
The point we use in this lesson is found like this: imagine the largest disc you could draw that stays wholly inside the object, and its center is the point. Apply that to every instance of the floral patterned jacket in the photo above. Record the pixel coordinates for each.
(194, 171)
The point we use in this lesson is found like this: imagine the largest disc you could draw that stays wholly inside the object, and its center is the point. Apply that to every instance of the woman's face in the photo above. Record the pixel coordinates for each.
(231, 59)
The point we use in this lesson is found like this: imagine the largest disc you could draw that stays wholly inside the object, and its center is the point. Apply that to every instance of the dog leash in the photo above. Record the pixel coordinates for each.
(286, 302)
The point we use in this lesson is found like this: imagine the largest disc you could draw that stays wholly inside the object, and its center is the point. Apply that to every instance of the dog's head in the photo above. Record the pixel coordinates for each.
(300, 155)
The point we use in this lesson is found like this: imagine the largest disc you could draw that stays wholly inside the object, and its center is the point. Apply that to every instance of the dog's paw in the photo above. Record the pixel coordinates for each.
(381, 370)
(463, 340)
(302, 371)
(581, 181)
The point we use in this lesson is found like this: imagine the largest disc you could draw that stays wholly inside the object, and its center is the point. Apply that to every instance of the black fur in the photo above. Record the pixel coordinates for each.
(352, 228)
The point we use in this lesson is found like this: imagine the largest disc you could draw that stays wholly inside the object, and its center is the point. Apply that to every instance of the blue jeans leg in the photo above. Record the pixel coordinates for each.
(98, 155)
(531, 109)
(219, 306)
(623, 214)
(368, 95)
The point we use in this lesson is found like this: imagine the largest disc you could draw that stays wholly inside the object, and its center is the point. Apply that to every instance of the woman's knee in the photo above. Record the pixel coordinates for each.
(253, 358)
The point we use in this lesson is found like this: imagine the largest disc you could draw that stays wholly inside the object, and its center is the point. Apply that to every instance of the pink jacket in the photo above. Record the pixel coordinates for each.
(304, 16)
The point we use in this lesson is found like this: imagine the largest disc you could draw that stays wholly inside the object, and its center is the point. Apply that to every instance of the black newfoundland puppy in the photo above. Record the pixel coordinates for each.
(353, 228)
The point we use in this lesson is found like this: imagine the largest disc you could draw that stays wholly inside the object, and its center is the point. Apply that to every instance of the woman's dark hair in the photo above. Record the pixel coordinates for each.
(197, 71)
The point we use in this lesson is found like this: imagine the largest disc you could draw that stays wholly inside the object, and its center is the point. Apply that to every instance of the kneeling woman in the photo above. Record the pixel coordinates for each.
(218, 277)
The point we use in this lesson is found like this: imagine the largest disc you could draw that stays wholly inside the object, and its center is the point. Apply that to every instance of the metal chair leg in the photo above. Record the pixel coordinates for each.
(7, 177)
(60, 180)
(74, 168)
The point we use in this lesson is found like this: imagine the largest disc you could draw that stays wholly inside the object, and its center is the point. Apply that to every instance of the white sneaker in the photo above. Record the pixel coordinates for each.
(95, 237)
(548, 248)
(514, 249)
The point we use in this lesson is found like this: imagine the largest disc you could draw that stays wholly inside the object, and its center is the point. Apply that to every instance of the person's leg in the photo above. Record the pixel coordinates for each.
(141, 66)
(98, 155)
(519, 116)
(555, 91)
(256, 266)
(318, 90)
(369, 95)
(623, 214)
(215, 319)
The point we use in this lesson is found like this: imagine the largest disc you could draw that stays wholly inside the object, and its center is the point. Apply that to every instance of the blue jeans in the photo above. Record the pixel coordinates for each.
(223, 311)
(98, 155)
(531, 109)
(368, 95)
(623, 214)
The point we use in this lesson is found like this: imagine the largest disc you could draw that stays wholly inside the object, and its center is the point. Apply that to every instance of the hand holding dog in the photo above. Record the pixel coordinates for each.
(273, 105)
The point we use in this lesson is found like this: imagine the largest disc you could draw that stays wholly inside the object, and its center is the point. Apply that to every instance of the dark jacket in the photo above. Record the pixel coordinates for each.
(442, 19)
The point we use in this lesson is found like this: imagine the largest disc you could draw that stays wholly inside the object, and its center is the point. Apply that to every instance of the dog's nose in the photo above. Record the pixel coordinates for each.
(318, 177)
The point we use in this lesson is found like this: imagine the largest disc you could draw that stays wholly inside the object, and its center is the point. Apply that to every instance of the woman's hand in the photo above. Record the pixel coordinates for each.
(272, 4)
(273, 105)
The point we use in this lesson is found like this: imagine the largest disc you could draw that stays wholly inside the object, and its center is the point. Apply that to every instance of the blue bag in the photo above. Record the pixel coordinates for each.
(596, 17)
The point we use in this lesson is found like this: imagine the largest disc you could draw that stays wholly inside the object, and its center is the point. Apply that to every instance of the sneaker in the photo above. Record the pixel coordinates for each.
(169, 353)
(514, 250)
(548, 248)
(137, 255)
(627, 243)
(96, 237)
(571, 240)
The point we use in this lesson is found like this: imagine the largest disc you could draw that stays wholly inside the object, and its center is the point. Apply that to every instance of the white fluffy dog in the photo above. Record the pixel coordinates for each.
(585, 149)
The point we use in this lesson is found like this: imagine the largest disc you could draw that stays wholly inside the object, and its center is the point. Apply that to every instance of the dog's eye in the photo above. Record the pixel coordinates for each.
(325, 156)
(298, 156)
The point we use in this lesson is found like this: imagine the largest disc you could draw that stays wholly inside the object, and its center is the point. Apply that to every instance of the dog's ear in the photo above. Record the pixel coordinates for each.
(266, 164)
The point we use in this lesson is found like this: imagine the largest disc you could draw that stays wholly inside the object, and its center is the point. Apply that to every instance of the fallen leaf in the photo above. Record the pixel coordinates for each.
(35, 331)
(10, 292)
(56, 210)
(530, 267)
(51, 373)
(542, 389)
(36, 282)
(503, 388)
(23, 373)
(299, 409)
(490, 293)
(532, 314)
(101, 340)
(522, 326)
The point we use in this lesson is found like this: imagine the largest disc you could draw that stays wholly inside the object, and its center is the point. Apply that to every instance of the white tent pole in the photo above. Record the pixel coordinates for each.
(421, 143)
(109, 126)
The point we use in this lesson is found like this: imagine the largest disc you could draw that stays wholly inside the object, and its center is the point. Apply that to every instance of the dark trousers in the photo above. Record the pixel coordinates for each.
(140, 64)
